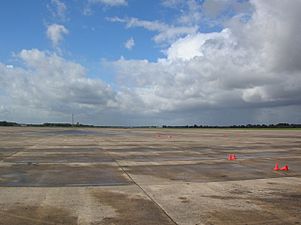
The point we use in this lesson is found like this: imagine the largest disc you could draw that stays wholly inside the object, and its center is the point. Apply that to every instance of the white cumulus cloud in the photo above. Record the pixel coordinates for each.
(55, 32)
(51, 88)
(253, 64)
(130, 43)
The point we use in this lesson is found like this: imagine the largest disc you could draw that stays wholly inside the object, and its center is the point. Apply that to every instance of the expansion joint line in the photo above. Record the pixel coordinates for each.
(129, 176)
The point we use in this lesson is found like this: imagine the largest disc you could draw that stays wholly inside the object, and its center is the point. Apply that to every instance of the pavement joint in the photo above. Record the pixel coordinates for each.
(129, 176)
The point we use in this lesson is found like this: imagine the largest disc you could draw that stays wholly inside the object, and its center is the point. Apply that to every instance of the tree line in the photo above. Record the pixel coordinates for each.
(278, 125)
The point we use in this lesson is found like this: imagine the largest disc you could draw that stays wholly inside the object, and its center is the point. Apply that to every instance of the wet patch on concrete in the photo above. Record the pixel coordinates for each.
(64, 149)
(78, 132)
(241, 217)
(56, 175)
(141, 149)
(60, 157)
(161, 158)
(204, 172)
(34, 215)
(275, 208)
(267, 165)
(6, 152)
(287, 202)
(134, 210)
(267, 154)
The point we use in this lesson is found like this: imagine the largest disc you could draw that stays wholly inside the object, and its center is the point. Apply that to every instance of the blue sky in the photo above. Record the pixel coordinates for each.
(24, 24)
(91, 36)
(134, 62)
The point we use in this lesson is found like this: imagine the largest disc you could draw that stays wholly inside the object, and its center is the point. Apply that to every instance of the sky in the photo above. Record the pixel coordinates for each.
(150, 62)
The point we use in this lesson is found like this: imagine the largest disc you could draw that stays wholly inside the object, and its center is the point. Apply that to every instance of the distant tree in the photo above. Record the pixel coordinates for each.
(5, 123)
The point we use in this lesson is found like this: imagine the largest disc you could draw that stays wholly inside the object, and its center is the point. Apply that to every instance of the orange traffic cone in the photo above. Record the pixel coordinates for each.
(231, 157)
(285, 168)
(276, 167)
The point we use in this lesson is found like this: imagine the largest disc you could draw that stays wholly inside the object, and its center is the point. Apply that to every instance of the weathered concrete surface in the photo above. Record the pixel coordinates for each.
(93, 205)
(263, 201)
(149, 176)
(59, 175)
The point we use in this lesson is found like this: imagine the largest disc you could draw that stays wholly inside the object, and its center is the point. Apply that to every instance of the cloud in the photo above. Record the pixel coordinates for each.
(9, 66)
(172, 3)
(58, 9)
(51, 88)
(248, 65)
(215, 8)
(129, 44)
(134, 22)
(193, 45)
(110, 3)
(248, 72)
(166, 33)
(208, 13)
(191, 14)
(55, 33)
(88, 9)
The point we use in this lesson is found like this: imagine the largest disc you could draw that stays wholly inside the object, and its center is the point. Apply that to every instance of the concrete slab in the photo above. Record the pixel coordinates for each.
(148, 176)
(79, 205)
(58, 157)
(6, 152)
(56, 175)
(263, 201)
(211, 171)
